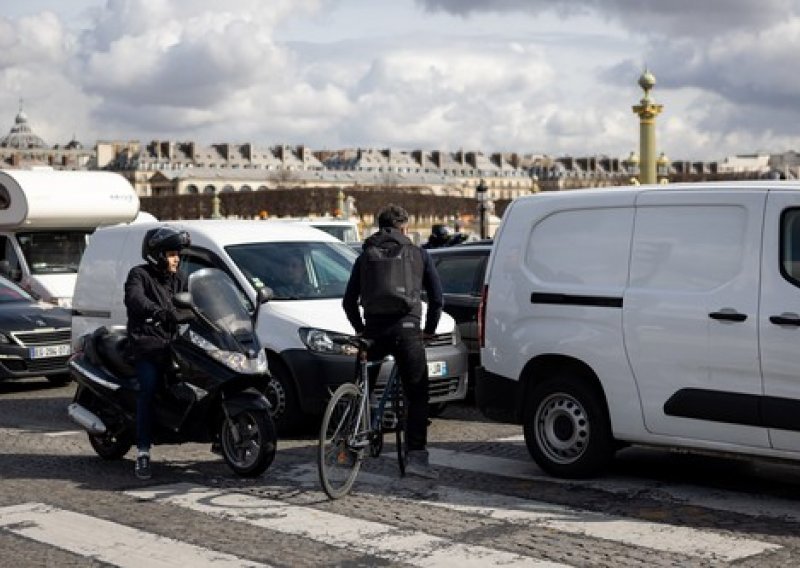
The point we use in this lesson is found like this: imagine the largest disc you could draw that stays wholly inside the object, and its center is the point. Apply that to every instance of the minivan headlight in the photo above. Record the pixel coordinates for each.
(320, 341)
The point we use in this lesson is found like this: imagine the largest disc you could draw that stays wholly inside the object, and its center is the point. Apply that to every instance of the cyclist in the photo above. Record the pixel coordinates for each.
(149, 289)
(398, 332)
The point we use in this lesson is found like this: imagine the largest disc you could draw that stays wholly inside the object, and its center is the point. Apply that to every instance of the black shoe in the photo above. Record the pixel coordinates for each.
(417, 464)
(142, 470)
(216, 448)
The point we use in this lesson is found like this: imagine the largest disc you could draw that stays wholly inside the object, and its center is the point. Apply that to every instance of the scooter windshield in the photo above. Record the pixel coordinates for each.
(214, 294)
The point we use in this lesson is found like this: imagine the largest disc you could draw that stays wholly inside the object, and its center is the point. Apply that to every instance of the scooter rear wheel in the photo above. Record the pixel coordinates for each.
(109, 446)
(256, 446)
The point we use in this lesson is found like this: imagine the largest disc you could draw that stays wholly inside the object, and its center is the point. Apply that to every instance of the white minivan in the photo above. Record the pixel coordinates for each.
(664, 315)
(295, 327)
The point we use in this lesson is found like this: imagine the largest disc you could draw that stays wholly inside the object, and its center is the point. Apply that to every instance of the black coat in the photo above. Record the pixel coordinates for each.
(148, 299)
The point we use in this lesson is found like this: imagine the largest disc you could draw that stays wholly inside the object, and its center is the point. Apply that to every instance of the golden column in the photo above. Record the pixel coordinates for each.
(647, 110)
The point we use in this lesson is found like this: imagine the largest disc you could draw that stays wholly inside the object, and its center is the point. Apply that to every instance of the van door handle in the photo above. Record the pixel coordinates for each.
(785, 319)
(727, 315)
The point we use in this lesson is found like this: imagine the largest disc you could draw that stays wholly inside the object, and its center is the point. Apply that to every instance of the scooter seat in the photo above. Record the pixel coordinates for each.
(112, 347)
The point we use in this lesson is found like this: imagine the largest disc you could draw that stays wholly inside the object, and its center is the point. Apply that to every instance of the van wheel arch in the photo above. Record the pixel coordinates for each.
(281, 391)
(565, 417)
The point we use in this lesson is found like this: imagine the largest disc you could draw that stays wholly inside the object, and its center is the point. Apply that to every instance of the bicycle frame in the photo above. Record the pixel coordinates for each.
(365, 415)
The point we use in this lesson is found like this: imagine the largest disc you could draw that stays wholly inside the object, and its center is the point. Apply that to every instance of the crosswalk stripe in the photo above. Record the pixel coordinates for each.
(751, 505)
(107, 541)
(368, 537)
(656, 536)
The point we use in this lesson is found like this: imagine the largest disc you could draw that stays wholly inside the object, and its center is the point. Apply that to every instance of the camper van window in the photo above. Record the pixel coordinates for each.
(53, 252)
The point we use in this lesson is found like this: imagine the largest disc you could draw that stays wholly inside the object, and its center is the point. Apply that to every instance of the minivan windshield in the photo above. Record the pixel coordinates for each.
(53, 252)
(296, 270)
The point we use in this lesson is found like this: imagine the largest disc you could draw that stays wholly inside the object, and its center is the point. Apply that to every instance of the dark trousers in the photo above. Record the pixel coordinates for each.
(149, 373)
(403, 340)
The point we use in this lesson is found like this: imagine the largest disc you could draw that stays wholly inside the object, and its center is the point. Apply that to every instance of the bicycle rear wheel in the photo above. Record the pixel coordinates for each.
(338, 461)
(399, 404)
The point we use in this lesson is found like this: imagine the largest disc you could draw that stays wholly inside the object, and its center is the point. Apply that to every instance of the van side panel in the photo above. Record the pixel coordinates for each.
(99, 299)
(556, 284)
(691, 314)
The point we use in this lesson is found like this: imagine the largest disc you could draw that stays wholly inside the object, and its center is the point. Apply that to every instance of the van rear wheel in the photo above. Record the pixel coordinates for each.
(566, 427)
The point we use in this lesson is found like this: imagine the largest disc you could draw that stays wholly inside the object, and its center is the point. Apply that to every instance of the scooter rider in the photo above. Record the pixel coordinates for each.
(152, 319)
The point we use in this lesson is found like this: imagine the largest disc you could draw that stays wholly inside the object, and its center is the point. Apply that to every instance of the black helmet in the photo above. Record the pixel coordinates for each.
(158, 241)
(440, 231)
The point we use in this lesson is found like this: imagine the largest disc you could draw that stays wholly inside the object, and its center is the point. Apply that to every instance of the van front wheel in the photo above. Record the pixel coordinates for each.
(567, 429)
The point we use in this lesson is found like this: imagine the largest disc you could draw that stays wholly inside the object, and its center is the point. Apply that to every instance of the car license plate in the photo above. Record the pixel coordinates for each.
(44, 351)
(437, 368)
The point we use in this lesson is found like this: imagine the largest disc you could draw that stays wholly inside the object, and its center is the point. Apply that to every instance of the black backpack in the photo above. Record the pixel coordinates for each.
(391, 278)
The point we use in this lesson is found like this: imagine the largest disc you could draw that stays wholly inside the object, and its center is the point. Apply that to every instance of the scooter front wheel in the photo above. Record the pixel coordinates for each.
(109, 446)
(249, 450)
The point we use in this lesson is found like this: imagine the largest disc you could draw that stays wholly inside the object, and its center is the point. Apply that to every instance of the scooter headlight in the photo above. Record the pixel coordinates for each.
(235, 361)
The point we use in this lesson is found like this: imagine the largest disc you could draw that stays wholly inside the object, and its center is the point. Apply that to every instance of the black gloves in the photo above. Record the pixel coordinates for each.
(167, 317)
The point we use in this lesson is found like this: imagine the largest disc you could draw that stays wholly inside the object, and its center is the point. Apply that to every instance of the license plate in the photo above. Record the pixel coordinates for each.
(44, 351)
(437, 368)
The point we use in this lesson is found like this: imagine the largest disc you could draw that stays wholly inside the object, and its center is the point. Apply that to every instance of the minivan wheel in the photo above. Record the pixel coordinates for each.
(280, 393)
(567, 429)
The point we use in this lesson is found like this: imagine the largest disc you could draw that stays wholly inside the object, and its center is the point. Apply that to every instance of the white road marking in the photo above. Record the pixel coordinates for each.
(752, 505)
(368, 537)
(64, 433)
(662, 537)
(108, 541)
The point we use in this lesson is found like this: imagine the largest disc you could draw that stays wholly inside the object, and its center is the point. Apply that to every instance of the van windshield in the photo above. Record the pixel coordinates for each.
(296, 270)
(53, 252)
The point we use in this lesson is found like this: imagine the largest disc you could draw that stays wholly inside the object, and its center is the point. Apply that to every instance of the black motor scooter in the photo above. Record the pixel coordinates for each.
(213, 389)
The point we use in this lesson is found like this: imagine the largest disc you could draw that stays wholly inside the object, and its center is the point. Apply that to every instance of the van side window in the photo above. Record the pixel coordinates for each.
(790, 245)
(582, 247)
(666, 254)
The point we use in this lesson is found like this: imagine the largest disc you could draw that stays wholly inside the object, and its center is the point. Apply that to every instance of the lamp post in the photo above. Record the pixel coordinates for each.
(481, 194)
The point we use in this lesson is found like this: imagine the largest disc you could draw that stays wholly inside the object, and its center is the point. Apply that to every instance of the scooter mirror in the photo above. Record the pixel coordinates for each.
(182, 300)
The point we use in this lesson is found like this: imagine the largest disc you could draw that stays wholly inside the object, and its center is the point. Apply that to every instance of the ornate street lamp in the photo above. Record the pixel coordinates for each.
(482, 195)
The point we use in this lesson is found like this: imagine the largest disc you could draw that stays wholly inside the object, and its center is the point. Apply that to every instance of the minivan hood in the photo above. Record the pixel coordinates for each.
(328, 314)
(53, 285)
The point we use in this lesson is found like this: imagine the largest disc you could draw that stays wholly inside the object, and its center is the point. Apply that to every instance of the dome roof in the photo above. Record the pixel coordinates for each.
(21, 136)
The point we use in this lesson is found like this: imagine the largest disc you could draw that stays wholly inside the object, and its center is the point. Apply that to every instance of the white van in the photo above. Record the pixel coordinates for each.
(46, 217)
(294, 327)
(344, 230)
(664, 315)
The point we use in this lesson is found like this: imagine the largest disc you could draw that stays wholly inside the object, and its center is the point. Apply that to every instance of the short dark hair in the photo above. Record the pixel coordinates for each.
(392, 216)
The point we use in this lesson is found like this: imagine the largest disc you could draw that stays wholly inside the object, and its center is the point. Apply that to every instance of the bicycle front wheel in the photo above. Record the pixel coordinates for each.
(338, 458)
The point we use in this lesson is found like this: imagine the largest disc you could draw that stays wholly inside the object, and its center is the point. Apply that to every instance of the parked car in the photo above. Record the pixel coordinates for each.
(295, 327)
(462, 269)
(34, 336)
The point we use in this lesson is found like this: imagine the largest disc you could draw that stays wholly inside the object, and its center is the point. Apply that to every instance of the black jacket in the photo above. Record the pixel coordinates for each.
(430, 283)
(148, 299)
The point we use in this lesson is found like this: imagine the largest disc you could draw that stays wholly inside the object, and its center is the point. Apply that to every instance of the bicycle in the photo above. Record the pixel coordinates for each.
(350, 429)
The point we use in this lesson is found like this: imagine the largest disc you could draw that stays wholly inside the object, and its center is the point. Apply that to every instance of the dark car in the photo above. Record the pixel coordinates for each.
(461, 269)
(34, 336)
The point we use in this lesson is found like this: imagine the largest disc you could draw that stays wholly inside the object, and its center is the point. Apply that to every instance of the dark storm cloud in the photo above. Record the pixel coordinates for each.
(671, 17)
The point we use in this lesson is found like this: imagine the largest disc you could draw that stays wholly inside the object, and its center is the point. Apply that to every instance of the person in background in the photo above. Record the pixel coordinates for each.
(400, 334)
(152, 321)
(439, 237)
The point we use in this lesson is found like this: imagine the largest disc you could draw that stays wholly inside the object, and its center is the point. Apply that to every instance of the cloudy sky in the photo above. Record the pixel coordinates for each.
(534, 76)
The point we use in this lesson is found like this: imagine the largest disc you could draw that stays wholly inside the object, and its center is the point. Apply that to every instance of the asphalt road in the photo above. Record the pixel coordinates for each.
(60, 505)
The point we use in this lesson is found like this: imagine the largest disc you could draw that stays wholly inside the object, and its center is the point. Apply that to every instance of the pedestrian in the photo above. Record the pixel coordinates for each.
(439, 237)
(387, 279)
(152, 320)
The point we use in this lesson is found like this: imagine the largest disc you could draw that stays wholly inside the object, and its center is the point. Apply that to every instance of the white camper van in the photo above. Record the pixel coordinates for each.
(664, 315)
(45, 219)
(295, 327)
